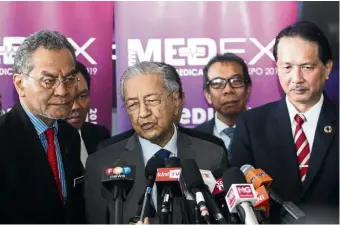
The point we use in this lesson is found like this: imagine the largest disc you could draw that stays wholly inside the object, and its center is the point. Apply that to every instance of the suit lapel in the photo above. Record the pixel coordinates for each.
(280, 135)
(183, 147)
(322, 140)
(87, 138)
(211, 124)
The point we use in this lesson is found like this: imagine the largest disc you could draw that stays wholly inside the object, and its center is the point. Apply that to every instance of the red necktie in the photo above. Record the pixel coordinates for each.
(302, 146)
(52, 158)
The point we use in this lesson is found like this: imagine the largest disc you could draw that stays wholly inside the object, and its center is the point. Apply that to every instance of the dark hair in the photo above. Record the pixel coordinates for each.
(226, 57)
(83, 71)
(309, 32)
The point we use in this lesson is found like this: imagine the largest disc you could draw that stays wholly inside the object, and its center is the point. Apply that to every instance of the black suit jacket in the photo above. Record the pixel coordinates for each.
(191, 132)
(206, 154)
(28, 192)
(264, 139)
(207, 127)
(92, 135)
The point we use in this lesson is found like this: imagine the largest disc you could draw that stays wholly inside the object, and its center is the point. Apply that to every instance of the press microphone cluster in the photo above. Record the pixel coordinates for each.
(290, 213)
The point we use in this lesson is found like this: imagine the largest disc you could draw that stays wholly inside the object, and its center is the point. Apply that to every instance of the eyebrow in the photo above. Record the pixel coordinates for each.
(146, 96)
(45, 73)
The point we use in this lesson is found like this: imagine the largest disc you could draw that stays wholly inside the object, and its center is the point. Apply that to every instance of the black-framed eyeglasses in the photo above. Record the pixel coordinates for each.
(52, 83)
(220, 83)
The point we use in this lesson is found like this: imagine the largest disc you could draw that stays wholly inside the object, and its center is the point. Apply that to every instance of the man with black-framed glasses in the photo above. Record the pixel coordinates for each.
(227, 87)
(39, 151)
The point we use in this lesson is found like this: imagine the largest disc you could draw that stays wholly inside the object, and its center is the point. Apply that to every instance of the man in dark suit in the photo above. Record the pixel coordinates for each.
(90, 134)
(151, 97)
(187, 131)
(296, 140)
(0, 104)
(39, 153)
(227, 87)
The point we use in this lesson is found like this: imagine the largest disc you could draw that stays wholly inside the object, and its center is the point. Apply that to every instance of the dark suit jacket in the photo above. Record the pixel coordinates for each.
(207, 127)
(264, 139)
(28, 192)
(191, 132)
(92, 135)
(206, 154)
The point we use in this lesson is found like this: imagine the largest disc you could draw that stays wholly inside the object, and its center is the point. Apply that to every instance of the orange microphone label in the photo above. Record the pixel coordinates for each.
(258, 177)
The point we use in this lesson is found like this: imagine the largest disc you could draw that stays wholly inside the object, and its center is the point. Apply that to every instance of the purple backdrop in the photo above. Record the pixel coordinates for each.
(188, 34)
(88, 25)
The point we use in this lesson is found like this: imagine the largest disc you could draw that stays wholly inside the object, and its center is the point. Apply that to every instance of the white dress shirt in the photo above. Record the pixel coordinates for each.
(83, 150)
(149, 149)
(312, 117)
(218, 131)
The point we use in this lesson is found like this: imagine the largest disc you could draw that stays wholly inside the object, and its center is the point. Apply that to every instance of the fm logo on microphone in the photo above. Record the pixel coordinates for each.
(125, 170)
(245, 191)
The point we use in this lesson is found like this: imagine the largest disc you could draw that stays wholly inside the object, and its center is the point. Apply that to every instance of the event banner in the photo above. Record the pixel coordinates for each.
(188, 34)
(88, 27)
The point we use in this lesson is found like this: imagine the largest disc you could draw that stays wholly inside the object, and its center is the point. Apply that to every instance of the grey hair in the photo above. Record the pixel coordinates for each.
(166, 71)
(46, 39)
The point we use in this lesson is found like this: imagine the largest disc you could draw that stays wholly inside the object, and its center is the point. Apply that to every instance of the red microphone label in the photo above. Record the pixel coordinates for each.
(231, 198)
(245, 191)
(219, 187)
(168, 174)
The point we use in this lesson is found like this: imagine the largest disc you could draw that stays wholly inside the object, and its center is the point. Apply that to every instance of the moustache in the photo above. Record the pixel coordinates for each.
(298, 87)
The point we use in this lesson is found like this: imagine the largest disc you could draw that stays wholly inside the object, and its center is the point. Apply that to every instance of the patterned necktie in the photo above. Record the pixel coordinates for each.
(52, 158)
(230, 133)
(302, 146)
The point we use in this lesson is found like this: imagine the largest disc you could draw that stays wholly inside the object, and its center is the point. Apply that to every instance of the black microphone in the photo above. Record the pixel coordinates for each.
(168, 186)
(150, 173)
(118, 180)
(194, 182)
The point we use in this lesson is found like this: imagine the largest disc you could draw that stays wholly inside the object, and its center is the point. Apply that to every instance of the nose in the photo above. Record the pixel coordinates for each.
(297, 75)
(228, 89)
(144, 111)
(76, 105)
(61, 90)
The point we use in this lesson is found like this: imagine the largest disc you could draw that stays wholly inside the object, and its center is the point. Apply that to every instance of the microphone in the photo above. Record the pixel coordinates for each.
(193, 181)
(240, 196)
(119, 180)
(290, 213)
(150, 173)
(262, 201)
(210, 182)
(168, 186)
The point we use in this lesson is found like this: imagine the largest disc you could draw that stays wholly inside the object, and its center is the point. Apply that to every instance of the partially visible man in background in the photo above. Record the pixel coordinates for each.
(227, 87)
(40, 152)
(90, 134)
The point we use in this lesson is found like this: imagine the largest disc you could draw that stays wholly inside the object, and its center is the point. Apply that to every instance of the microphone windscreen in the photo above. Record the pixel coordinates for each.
(245, 169)
(152, 165)
(172, 162)
(233, 176)
(191, 174)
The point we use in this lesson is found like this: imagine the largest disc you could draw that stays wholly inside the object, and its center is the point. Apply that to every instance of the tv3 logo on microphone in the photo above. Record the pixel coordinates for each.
(118, 172)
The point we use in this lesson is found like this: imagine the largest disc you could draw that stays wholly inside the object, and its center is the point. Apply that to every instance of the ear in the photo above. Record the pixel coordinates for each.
(18, 81)
(177, 102)
(207, 96)
(248, 90)
(328, 67)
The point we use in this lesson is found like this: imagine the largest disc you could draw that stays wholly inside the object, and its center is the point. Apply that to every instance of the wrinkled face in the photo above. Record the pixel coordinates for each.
(151, 108)
(81, 104)
(301, 73)
(39, 90)
(227, 100)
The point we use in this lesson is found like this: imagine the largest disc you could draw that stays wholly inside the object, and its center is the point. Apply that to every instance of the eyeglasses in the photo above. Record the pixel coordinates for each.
(220, 83)
(149, 102)
(52, 83)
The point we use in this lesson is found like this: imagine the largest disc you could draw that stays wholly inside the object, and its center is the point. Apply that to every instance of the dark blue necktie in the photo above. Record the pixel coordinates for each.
(230, 133)
(163, 154)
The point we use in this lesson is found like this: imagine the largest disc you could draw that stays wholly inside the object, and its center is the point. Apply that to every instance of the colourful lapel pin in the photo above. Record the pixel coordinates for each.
(328, 129)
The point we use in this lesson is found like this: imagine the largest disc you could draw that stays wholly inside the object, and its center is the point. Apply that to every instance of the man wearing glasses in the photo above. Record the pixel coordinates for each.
(150, 93)
(40, 152)
(227, 87)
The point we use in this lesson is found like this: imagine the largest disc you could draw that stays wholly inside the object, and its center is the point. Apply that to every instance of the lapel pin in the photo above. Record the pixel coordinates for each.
(328, 129)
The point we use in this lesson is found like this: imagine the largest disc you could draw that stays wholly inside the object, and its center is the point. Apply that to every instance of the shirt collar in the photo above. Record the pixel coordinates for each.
(220, 126)
(39, 125)
(310, 115)
(149, 149)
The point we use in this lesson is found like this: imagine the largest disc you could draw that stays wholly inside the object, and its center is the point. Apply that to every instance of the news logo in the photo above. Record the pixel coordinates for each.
(231, 198)
(168, 174)
(219, 185)
(125, 170)
(245, 191)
